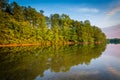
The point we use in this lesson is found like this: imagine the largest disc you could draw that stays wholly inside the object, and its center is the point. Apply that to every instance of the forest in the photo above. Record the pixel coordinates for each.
(26, 25)
(114, 41)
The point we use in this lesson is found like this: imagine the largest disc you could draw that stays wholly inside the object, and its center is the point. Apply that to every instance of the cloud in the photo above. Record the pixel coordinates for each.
(89, 10)
(113, 11)
(86, 10)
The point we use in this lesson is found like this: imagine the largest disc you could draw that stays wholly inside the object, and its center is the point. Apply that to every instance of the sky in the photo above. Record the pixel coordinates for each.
(101, 13)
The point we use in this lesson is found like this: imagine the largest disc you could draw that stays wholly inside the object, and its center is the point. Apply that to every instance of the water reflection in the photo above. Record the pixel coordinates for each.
(28, 63)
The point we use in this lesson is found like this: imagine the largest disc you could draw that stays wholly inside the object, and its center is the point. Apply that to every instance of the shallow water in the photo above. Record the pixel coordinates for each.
(68, 62)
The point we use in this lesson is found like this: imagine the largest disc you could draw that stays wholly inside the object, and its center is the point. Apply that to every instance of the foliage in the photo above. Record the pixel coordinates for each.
(20, 24)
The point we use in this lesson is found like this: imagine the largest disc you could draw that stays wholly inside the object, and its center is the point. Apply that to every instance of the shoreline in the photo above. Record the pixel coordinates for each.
(15, 45)
(38, 44)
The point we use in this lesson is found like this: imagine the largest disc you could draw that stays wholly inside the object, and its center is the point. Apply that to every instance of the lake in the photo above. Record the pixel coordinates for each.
(67, 62)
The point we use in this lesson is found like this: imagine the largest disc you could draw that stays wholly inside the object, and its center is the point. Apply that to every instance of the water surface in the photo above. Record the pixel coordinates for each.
(67, 62)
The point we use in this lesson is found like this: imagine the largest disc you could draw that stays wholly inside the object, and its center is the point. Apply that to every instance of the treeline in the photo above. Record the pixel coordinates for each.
(21, 24)
(114, 40)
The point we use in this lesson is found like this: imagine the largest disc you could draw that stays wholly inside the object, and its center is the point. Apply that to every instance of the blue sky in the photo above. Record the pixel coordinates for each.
(102, 13)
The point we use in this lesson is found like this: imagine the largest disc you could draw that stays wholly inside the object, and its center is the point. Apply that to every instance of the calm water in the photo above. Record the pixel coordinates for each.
(69, 62)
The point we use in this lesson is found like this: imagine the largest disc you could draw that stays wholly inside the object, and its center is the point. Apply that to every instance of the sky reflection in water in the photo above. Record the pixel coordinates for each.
(75, 62)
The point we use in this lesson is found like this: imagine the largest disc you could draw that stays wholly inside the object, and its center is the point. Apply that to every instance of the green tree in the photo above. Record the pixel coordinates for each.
(65, 26)
(17, 12)
(3, 4)
(20, 24)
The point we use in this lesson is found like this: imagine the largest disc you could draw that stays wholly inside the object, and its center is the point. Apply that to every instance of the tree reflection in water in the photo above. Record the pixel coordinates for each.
(25, 63)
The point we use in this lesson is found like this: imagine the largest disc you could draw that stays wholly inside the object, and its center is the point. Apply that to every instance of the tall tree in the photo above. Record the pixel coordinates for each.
(17, 11)
(65, 25)
(3, 4)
